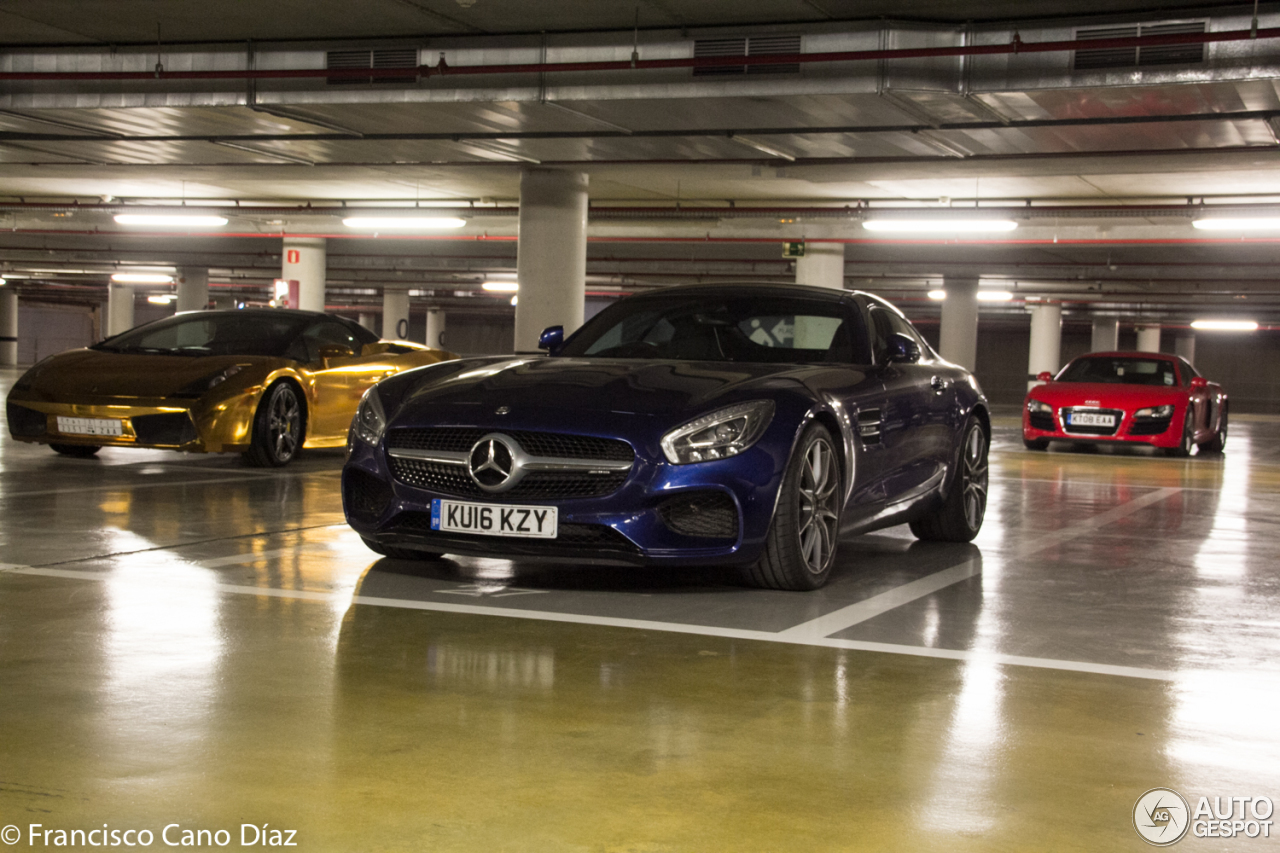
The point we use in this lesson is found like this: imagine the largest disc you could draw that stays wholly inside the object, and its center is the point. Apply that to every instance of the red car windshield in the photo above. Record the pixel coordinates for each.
(1121, 370)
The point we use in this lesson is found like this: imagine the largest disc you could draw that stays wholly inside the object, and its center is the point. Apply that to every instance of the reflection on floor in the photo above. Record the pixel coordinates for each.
(187, 641)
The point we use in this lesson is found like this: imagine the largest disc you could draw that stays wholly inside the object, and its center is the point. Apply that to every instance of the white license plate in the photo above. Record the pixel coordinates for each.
(1090, 419)
(91, 426)
(532, 522)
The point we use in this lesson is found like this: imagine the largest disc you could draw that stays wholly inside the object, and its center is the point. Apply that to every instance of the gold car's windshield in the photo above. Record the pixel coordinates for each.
(212, 333)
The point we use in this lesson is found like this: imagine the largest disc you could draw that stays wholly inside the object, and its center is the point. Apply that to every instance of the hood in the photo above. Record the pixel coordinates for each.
(1105, 394)
(624, 386)
(87, 373)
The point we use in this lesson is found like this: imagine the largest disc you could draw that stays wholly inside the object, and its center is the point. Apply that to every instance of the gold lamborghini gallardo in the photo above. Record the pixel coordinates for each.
(262, 382)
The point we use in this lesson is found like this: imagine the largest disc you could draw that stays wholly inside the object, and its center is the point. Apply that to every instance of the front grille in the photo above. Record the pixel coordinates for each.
(364, 497)
(537, 485)
(1040, 420)
(24, 422)
(702, 514)
(174, 429)
(570, 538)
(462, 439)
(1075, 429)
(1157, 426)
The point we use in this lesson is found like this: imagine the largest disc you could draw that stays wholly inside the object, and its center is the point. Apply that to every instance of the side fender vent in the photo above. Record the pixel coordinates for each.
(869, 426)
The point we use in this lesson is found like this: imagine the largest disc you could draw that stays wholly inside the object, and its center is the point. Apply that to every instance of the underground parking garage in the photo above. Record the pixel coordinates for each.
(206, 640)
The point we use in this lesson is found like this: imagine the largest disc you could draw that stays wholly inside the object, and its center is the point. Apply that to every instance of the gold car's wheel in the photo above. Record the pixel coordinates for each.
(79, 451)
(277, 427)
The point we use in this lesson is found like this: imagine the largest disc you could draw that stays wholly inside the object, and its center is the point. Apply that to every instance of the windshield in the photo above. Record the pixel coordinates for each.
(197, 334)
(769, 329)
(1121, 370)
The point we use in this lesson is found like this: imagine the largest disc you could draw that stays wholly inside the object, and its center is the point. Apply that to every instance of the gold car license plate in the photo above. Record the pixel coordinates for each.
(91, 426)
(1091, 419)
(531, 522)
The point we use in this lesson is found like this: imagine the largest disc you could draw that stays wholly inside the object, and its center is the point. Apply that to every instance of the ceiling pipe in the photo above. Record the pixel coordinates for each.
(1016, 45)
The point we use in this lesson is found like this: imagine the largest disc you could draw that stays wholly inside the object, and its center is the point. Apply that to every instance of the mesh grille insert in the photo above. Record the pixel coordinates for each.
(702, 514)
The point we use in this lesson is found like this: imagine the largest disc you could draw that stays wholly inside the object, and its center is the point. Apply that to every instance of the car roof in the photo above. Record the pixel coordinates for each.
(735, 287)
(269, 312)
(1162, 356)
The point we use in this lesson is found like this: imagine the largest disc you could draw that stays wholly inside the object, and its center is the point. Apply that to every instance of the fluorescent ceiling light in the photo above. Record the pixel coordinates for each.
(170, 220)
(501, 286)
(938, 294)
(161, 299)
(3, 282)
(1254, 223)
(921, 226)
(515, 300)
(1225, 325)
(141, 278)
(404, 223)
(994, 296)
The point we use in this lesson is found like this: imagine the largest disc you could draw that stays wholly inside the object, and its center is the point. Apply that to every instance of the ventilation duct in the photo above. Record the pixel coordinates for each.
(746, 46)
(396, 57)
(1137, 57)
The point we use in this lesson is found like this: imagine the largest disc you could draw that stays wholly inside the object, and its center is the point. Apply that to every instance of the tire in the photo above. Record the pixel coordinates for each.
(1035, 443)
(960, 517)
(76, 451)
(1218, 443)
(400, 553)
(1184, 447)
(801, 546)
(277, 427)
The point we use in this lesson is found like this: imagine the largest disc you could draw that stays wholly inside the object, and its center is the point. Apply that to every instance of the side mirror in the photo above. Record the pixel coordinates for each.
(902, 349)
(1198, 382)
(1044, 376)
(551, 339)
(331, 351)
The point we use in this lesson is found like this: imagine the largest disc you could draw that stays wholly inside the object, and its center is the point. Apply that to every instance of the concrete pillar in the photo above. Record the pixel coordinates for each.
(435, 328)
(119, 308)
(822, 265)
(369, 321)
(193, 289)
(551, 256)
(303, 259)
(1148, 339)
(395, 313)
(1046, 341)
(958, 335)
(1185, 346)
(1106, 335)
(8, 325)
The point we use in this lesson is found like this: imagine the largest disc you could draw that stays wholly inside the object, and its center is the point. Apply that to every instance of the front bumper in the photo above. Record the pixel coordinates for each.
(1163, 432)
(644, 522)
(161, 423)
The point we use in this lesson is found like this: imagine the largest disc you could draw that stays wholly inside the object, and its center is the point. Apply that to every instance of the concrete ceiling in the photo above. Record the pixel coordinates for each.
(1099, 166)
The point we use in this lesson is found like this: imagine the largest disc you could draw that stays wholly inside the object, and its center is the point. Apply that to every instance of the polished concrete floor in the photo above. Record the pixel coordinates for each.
(187, 641)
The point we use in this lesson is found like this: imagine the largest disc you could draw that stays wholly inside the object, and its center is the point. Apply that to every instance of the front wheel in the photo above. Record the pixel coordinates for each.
(1219, 441)
(801, 546)
(1188, 441)
(960, 517)
(277, 428)
(76, 451)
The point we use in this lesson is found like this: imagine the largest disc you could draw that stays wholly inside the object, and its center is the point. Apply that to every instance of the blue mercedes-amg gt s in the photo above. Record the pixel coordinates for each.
(749, 425)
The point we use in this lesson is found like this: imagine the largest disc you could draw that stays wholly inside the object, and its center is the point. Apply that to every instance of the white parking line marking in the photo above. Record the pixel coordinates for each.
(643, 625)
(847, 617)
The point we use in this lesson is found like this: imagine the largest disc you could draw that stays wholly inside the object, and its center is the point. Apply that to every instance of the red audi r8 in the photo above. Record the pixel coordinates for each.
(1130, 397)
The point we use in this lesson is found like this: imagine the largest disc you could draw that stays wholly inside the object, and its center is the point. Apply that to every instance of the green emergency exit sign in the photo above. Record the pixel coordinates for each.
(793, 250)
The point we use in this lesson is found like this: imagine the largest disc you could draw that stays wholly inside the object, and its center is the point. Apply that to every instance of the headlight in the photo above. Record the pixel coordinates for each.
(1036, 407)
(201, 386)
(370, 421)
(722, 433)
(1155, 412)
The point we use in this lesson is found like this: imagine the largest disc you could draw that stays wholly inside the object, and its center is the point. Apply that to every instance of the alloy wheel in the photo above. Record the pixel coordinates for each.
(819, 506)
(284, 422)
(974, 477)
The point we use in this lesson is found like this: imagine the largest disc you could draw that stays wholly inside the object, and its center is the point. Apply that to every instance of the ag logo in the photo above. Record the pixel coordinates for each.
(1161, 817)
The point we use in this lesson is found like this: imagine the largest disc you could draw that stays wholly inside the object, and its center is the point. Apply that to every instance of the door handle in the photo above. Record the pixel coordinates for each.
(939, 384)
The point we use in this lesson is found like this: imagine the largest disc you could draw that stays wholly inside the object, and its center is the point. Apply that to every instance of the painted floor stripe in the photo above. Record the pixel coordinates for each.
(846, 617)
(646, 625)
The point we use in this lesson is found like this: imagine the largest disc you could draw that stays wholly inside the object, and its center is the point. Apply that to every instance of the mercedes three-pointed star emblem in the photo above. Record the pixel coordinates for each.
(492, 463)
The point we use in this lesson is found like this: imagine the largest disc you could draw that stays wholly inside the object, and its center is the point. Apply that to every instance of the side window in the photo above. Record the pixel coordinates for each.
(325, 332)
(880, 331)
(1188, 372)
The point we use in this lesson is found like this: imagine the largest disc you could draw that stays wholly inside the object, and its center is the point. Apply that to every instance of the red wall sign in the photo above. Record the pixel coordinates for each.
(292, 256)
